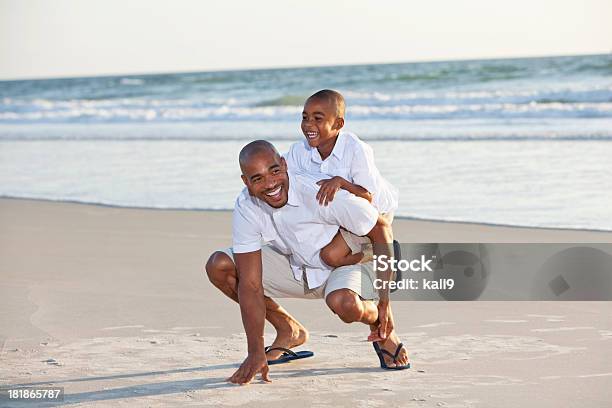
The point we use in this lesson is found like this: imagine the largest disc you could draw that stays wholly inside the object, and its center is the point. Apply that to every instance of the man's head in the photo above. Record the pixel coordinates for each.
(323, 117)
(264, 172)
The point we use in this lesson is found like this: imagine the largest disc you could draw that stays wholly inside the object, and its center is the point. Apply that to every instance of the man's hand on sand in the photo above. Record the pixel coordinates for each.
(329, 188)
(385, 323)
(253, 364)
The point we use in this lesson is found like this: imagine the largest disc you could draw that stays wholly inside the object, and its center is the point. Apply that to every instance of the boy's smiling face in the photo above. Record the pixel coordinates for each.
(320, 122)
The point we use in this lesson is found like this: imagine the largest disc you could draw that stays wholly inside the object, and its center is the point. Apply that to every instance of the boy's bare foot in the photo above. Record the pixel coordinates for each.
(289, 336)
(390, 344)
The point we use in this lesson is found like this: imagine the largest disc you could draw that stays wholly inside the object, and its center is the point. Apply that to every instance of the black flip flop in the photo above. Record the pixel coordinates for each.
(380, 352)
(288, 355)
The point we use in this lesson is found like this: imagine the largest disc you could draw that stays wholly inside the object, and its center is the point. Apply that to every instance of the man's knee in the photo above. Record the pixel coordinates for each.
(218, 267)
(346, 304)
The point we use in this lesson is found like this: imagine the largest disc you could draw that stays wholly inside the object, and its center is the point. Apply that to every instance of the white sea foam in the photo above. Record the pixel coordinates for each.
(104, 111)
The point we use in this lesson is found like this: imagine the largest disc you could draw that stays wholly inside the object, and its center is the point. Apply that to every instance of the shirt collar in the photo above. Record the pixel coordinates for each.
(337, 151)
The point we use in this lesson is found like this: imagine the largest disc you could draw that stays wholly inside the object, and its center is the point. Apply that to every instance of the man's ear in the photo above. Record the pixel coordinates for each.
(283, 164)
(244, 180)
(339, 124)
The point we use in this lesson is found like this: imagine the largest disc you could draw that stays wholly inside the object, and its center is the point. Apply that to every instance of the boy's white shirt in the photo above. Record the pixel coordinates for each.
(353, 160)
(300, 228)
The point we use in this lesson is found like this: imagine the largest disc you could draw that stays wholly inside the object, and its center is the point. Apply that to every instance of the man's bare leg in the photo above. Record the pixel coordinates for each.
(290, 333)
(351, 308)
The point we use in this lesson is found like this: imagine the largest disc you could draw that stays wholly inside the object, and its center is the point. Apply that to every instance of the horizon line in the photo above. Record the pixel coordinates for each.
(289, 67)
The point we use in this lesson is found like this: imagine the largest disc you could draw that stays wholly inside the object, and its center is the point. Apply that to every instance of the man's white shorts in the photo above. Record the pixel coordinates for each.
(279, 282)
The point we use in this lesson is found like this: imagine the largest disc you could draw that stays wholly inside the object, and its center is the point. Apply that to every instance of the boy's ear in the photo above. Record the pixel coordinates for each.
(339, 124)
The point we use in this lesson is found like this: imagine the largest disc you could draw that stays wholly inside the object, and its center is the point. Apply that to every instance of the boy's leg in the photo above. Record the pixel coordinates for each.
(221, 271)
(338, 253)
(347, 248)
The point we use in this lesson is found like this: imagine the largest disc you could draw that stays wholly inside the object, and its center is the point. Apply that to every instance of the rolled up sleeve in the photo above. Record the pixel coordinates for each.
(363, 169)
(246, 232)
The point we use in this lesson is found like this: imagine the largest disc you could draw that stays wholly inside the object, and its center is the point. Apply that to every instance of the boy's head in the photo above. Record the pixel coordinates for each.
(323, 117)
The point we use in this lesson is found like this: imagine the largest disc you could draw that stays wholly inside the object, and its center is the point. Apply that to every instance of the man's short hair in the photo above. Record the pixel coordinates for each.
(254, 148)
(332, 97)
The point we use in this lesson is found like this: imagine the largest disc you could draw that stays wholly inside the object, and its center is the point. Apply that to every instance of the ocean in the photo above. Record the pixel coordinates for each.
(512, 141)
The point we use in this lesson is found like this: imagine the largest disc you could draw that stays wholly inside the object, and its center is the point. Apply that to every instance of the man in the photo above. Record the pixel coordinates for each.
(281, 209)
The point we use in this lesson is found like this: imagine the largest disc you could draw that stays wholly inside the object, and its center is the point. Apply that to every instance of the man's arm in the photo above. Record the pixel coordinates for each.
(253, 311)
(251, 298)
(381, 236)
(361, 218)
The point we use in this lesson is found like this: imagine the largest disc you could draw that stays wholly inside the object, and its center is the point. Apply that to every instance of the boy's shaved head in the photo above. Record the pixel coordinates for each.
(255, 148)
(334, 98)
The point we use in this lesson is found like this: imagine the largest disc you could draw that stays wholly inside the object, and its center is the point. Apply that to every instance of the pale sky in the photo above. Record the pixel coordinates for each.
(60, 38)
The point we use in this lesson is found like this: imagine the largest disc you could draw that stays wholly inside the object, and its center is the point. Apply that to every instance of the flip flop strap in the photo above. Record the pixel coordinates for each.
(397, 351)
(393, 356)
(285, 350)
(382, 350)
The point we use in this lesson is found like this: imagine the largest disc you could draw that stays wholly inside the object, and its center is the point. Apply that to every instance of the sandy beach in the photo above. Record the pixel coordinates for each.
(112, 304)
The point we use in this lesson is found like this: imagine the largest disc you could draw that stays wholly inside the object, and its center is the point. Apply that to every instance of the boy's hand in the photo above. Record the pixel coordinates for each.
(254, 363)
(328, 189)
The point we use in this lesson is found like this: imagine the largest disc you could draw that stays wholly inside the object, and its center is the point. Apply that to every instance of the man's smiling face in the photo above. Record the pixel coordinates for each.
(265, 175)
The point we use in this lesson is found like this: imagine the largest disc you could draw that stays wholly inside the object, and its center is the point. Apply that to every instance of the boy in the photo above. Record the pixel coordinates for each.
(350, 164)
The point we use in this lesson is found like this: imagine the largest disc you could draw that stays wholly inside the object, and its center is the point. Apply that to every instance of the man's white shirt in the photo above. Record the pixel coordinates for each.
(302, 227)
(351, 159)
